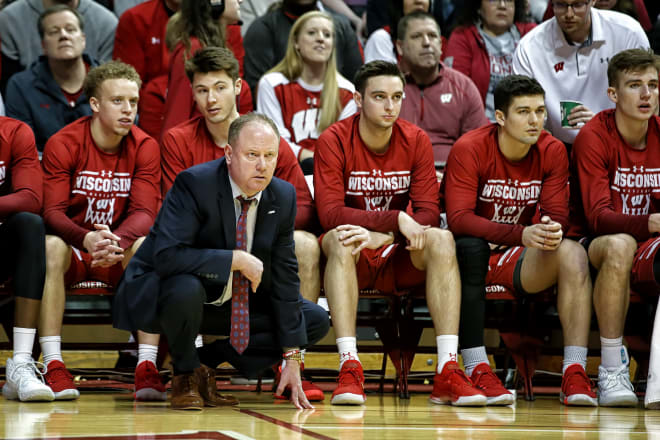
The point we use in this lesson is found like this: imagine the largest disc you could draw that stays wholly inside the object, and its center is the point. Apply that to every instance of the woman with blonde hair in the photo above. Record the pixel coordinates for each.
(304, 94)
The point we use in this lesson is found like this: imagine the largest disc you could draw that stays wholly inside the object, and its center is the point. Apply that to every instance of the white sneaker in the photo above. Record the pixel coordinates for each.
(614, 387)
(25, 382)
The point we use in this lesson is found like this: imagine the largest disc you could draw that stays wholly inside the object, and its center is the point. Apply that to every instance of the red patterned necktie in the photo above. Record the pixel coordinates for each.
(240, 316)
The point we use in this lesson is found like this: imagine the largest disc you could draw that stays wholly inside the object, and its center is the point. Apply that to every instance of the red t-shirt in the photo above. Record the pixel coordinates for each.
(88, 186)
(488, 196)
(21, 179)
(616, 186)
(191, 143)
(179, 104)
(354, 185)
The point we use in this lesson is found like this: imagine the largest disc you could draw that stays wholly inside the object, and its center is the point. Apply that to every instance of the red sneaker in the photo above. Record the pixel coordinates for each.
(350, 390)
(454, 387)
(485, 380)
(312, 392)
(148, 386)
(60, 381)
(577, 388)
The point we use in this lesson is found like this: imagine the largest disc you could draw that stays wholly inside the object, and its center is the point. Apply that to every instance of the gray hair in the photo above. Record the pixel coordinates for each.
(237, 126)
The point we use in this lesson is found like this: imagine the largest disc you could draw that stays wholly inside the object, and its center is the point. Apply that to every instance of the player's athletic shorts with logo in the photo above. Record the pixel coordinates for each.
(388, 268)
(81, 270)
(504, 268)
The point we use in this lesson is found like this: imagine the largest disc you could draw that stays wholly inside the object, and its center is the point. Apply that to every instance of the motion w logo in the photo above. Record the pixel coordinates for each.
(94, 214)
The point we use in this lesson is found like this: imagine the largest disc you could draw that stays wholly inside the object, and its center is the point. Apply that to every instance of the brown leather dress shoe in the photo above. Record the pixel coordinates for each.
(209, 389)
(185, 392)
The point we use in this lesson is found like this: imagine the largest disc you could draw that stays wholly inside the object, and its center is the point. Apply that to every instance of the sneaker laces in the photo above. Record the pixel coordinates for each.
(616, 377)
(28, 371)
(57, 374)
(350, 375)
(151, 375)
(576, 378)
(461, 374)
(487, 379)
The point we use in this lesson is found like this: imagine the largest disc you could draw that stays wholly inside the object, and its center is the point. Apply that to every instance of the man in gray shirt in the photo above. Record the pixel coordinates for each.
(21, 44)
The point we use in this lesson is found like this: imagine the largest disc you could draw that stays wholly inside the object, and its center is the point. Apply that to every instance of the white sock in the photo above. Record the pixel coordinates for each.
(23, 342)
(347, 348)
(199, 342)
(574, 354)
(51, 347)
(447, 349)
(147, 352)
(473, 357)
(612, 353)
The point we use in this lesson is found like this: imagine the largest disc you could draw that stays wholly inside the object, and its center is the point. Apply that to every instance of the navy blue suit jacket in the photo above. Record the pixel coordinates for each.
(195, 233)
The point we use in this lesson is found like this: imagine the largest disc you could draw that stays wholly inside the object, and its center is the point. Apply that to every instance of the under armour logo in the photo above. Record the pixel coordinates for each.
(155, 40)
(559, 67)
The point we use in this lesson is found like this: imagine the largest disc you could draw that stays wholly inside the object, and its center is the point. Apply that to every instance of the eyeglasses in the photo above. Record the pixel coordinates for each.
(562, 7)
(498, 2)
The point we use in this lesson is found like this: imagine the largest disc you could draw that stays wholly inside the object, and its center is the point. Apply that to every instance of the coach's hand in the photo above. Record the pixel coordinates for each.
(291, 377)
(546, 235)
(413, 231)
(250, 267)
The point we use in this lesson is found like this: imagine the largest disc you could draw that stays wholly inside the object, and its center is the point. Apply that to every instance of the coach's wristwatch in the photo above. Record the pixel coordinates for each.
(293, 355)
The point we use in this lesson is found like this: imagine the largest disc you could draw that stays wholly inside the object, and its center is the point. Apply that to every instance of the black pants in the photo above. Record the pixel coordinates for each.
(472, 255)
(182, 315)
(24, 255)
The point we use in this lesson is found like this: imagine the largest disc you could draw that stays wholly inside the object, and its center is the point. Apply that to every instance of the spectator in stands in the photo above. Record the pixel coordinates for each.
(380, 45)
(213, 73)
(615, 181)
(304, 94)
(567, 56)
(634, 8)
(440, 100)
(444, 11)
(266, 40)
(49, 94)
(496, 179)
(101, 173)
(21, 43)
(483, 44)
(24, 261)
(368, 169)
(198, 24)
(181, 281)
(140, 42)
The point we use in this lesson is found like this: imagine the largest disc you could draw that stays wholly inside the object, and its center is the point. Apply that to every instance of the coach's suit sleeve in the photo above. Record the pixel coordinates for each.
(180, 220)
(285, 295)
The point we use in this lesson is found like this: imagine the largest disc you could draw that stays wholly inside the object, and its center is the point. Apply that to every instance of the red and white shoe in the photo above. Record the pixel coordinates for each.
(350, 390)
(148, 386)
(485, 380)
(312, 392)
(577, 388)
(60, 381)
(454, 387)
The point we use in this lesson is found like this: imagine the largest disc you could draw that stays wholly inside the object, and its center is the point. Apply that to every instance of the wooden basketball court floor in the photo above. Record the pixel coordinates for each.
(114, 416)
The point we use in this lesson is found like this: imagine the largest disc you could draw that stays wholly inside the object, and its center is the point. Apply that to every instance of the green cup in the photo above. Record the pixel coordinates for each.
(566, 107)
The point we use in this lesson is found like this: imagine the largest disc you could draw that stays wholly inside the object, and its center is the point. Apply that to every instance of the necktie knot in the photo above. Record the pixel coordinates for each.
(245, 203)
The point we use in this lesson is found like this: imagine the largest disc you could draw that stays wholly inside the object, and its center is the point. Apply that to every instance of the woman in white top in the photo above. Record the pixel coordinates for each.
(304, 94)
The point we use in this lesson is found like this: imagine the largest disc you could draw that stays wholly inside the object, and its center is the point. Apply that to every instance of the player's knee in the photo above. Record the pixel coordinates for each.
(333, 246)
(308, 251)
(185, 293)
(58, 254)
(619, 252)
(440, 242)
(573, 258)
